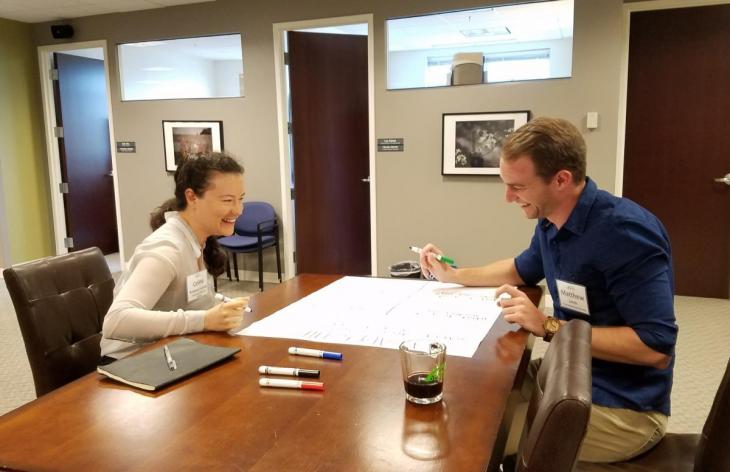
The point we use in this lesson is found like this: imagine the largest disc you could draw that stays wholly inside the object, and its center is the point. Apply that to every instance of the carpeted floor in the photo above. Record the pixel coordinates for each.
(702, 354)
(16, 382)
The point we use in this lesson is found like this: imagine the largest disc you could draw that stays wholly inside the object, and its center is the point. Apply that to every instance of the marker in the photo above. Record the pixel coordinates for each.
(439, 257)
(285, 383)
(222, 298)
(300, 351)
(296, 372)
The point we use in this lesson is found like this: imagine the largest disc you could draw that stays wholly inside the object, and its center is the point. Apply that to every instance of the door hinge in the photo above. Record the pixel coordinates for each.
(292, 194)
(53, 73)
(63, 187)
(58, 131)
(286, 58)
(288, 127)
(68, 243)
(294, 255)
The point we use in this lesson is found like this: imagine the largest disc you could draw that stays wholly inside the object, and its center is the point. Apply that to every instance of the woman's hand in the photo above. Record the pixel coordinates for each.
(226, 315)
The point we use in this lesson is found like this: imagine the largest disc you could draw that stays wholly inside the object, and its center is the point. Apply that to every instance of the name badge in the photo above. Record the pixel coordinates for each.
(197, 285)
(573, 296)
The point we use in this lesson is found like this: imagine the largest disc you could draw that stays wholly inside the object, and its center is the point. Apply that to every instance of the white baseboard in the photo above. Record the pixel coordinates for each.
(252, 276)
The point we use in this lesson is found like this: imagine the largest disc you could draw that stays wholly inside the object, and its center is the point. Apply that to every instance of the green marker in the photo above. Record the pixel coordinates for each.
(439, 257)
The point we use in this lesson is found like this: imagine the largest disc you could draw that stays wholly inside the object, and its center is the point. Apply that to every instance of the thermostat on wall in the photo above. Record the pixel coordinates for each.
(592, 120)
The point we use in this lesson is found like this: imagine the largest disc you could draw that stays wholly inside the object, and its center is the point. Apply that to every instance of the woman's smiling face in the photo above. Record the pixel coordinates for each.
(214, 213)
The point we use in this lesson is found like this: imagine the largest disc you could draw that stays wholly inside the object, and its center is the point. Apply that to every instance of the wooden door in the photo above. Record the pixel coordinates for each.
(329, 102)
(86, 165)
(678, 137)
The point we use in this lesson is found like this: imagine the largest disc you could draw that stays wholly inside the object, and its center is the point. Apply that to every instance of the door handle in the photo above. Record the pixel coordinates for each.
(367, 179)
(724, 180)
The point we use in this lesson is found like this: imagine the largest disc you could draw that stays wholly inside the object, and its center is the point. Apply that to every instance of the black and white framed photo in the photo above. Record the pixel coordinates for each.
(185, 139)
(472, 142)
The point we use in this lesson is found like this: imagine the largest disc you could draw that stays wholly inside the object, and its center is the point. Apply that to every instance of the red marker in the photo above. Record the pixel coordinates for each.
(285, 383)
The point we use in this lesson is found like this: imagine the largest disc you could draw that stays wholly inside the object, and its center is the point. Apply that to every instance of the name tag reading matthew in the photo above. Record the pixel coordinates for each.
(573, 296)
(197, 285)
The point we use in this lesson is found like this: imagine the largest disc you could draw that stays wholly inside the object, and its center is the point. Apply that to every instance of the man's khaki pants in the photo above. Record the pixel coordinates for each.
(614, 434)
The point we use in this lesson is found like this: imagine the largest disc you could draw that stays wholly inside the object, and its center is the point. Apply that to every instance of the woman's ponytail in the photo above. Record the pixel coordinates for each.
(214, 256)
(157, 217)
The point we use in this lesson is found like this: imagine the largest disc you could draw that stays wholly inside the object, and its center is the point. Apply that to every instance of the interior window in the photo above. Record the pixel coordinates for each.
(529, 41)
(203, 67)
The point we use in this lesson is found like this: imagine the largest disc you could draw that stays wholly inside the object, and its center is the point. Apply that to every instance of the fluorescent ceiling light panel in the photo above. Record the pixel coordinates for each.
(483, 32)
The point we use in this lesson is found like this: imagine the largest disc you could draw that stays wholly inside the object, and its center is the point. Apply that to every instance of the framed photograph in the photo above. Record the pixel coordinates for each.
(472, 142)
(185, 139)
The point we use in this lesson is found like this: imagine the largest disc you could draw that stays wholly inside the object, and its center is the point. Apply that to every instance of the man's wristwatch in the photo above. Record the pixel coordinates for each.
(551, 325)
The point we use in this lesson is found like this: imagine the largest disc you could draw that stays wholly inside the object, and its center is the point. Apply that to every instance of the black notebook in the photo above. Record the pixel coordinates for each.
(149, 370)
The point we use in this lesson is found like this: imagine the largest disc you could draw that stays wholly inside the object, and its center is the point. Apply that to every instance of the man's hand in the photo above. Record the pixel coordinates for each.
(519, 309)
(432, 266)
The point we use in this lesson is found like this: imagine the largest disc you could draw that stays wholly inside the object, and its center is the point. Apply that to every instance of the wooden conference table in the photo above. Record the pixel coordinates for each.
(222, 420)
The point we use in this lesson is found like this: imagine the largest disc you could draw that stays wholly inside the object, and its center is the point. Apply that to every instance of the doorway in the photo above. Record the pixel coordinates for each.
(677, 136)
(79, 137)
(328, 201)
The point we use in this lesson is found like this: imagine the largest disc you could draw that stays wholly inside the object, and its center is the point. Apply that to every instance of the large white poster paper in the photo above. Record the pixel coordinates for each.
(384, 312)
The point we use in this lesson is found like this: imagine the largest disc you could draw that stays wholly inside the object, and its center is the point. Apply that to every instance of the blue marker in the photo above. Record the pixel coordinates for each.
(301, 351)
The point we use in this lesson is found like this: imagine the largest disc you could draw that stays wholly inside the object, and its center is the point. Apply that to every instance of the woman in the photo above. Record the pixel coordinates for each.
(168, 287)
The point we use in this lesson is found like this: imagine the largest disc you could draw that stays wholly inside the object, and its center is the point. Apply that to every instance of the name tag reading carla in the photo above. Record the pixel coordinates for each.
(573, 296)
(197, 285)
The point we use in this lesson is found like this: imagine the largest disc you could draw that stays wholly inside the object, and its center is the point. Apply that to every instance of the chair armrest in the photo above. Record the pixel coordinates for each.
(267, 226)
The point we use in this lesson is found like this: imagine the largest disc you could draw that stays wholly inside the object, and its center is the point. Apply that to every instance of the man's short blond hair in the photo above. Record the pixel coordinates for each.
(553, 144)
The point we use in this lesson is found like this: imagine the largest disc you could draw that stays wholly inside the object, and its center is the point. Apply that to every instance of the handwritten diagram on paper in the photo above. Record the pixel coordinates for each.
(384, 312)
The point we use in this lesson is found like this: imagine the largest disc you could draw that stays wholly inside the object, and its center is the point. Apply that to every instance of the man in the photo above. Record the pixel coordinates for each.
(605, 259)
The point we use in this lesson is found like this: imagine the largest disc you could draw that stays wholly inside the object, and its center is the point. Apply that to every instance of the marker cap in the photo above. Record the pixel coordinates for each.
(313, 374)
(313, 386)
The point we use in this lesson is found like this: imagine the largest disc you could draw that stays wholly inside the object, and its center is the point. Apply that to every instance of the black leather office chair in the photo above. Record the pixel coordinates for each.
(61, 302)
(560, 407)
(706, 452)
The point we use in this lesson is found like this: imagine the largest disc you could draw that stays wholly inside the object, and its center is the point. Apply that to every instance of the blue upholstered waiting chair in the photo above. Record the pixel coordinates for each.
(255, 230)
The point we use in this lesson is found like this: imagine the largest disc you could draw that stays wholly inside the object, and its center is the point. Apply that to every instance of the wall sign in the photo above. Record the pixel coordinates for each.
(390, 145)
(126, 146)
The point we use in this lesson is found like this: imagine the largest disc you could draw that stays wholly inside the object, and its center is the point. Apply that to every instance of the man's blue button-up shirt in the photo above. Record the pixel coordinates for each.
(620, 252)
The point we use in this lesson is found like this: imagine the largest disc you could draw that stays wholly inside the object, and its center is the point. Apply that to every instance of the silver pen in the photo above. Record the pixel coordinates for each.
(171, 364)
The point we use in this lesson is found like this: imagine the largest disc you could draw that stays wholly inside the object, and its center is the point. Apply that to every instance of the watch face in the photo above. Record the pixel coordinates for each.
(552, 325)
